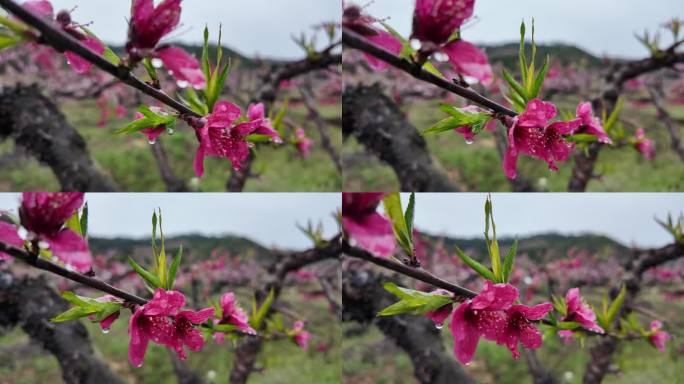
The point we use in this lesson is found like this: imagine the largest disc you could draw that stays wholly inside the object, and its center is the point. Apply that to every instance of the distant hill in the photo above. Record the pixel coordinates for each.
(553, 245)
(507, 54)
(195, 247)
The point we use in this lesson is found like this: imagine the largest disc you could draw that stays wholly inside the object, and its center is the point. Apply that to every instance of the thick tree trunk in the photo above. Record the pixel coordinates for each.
(36, 124)
(31, 303)
(377, 123)
(363, 297)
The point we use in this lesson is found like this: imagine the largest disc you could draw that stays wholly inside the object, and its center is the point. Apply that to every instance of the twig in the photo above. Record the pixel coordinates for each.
(308, 99)
(92, 282)
(656, 91)
(356, 41)
(61, 41)
(416, 273)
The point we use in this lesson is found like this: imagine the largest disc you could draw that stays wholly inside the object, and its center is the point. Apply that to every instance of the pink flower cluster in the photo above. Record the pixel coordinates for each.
(493, 315)
(369, 229)
(531, 133)
(225, 132)
(149, 24)
(44, 9)
(163, 322)
(43, 216)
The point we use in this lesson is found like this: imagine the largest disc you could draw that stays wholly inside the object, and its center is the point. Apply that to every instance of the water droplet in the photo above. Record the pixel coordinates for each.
(23, 233)
(467, 364)
(469, 142)
(139, 365)
(152, 142)
(157, 63)
(105, 330)
(170, 131)
(69, 267)
(439, 326)
(182, 84)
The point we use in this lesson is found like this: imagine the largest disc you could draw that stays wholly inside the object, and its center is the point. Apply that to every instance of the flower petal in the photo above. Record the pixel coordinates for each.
(71, 249)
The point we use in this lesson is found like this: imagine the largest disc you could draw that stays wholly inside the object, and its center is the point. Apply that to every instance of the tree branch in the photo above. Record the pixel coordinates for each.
(356, 41)
(583, 171)
(656, 91)
(40, 263)
(61, 41)
(309, 102)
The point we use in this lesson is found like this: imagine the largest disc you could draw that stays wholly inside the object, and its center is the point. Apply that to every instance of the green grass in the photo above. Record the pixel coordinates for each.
(477, 167)
(281, 361)
(130, 163)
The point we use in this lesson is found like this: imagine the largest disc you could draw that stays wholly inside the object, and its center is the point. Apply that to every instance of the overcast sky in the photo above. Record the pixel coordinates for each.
(249, 26)
(599, 26)
(266, 218)
(622, 216)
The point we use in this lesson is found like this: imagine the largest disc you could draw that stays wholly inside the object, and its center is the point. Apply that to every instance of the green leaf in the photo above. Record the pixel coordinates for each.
(392, 204)
(71, 314)
(476, 266)
(581, 138)
(7, 40)
(614, 114)
(517, 87)
(151, 70)
(521, 53)
(258, 138)
(509, 260)
(150, 119)
(492, 244)
(409, 214)
(150, 278)
(174, 268)
(108, 308)
(568, 325)
(539, 79)
(432, 69)
(18, 28)
(206, 67)
(278, 119)
(615, 306)
(108, 53)
(458, 118)
(260, 315)
(406, 50)
(84, 221)
(74, 223)
(413, 302)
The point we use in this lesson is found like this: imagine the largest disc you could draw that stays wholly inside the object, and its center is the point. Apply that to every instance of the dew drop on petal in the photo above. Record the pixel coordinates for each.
(182, 84)
(157, 63)
(105, 330)
(69, 267)
(469, 142)
(139, 365)
(439, 326)
(170, 131)
(22, 233)
(152, 142)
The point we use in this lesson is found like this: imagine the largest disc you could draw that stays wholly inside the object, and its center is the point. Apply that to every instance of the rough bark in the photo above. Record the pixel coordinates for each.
(184, 374)
(363, 297)
(37, 125)
(30, 303)
(377, 123)
(171, 180)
